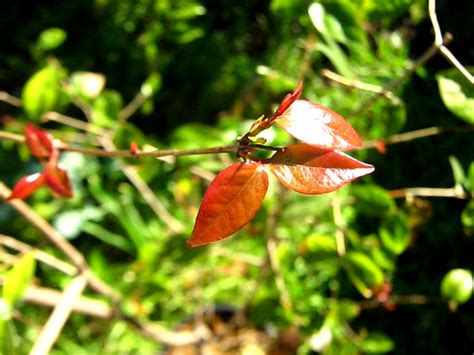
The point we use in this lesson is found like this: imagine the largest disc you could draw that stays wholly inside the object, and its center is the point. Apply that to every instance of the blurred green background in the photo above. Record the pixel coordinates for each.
(202, 71)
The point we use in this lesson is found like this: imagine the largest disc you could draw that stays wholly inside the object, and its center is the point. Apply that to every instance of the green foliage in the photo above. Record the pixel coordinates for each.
(363, 271)
(395, 232)
(457, 93)
(51, 38)
(457, 286)
(17, 279)
(43, 93)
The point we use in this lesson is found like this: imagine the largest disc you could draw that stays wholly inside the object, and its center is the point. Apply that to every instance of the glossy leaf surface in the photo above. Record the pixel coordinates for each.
(230, 202)
(311, 170)
(26, 186)
(289, 99)
(39, 142)
(319, 126)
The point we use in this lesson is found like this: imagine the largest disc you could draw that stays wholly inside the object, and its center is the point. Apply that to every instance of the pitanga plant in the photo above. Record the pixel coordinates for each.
(314, 167)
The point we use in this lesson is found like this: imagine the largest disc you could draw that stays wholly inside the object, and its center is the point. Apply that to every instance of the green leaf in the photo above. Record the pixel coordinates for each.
(372, 200)
(470, 178)
(458, 173)
(151, 85)
(363, 272)
(106, 108)
(107, 236)
(344, 310)
(51, 38)
(376, 342)
(332, 32)
(382, 258)
(9, 339)
(457, 286)
(467, 218)
(42, 92)
(321, 243)
(326, 24)
(457, 93)
(18, 279)
(395, 232)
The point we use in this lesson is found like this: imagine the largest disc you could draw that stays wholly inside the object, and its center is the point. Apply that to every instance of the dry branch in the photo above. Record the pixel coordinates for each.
(59, 316)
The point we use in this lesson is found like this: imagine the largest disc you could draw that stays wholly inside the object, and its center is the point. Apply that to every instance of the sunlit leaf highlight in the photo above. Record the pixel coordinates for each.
(311, 170)
(26, 186)
(317, 125)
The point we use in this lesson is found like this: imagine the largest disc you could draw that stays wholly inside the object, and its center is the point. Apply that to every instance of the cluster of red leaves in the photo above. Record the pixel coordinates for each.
(40, 144)
(315, 167)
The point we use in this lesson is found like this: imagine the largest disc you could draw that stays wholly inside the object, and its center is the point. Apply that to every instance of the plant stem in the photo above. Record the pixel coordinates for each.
(428, 192)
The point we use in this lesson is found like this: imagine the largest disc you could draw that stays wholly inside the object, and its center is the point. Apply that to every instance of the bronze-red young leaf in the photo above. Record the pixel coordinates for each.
(26, 186)
(317, 125)
(311, 170)
(39, 142)
(55, 176)
(230, 202)
(289, 99)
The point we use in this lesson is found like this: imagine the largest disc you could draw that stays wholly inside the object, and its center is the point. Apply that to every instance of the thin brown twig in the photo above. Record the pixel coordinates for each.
(147, 193)
(59, 241)
(352, 83)
(423, 59)
(40, 255)
(285, 299)
(438, 40)
(420, 133)
(45, 228)
(10, 99)
(428, 192)
(396, 299)
(71, 122)
(113, 153)
(439, 45)
(132, 106)
(339, 222)
(59, 316)
(155, 331)
(48, 297)
(272, 257)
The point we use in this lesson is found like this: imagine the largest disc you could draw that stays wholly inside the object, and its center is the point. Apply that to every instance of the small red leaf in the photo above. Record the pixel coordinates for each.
(319, 126)
(133, 147)
(26, 186)
(56, 178)
(289, 99)
(311, 170)
(39, 142)
(380, 146)
(230, 202)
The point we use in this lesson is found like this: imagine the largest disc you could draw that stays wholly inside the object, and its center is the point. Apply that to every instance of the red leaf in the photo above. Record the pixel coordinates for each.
(56, 177)
(133, 147)
(39, 142)
(289, 99)
(319, 126)
(26, 186)
(230, 202)
(380, 146)
(311, 170)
